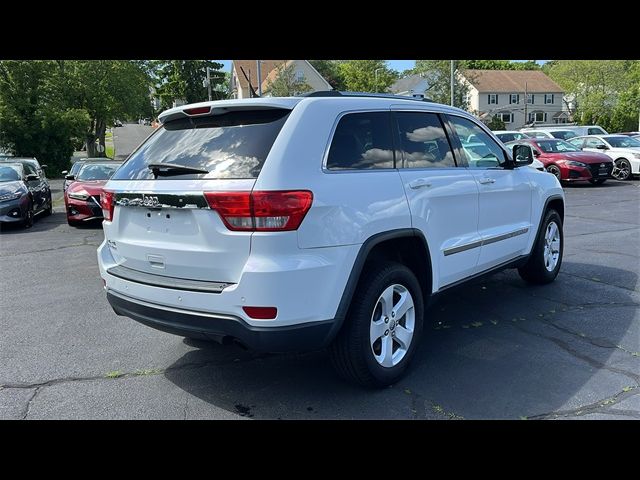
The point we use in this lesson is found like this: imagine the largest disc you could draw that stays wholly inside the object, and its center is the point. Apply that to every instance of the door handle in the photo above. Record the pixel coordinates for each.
(486, 181)
(419, 183)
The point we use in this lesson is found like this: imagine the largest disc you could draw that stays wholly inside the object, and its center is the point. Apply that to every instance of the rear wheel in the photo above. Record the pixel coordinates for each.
(621, 169)
(554, 170)
(383, 326)
(597, 181)
(546, 257)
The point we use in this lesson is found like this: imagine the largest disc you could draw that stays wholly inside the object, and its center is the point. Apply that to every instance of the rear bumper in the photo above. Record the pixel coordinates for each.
(217, 327)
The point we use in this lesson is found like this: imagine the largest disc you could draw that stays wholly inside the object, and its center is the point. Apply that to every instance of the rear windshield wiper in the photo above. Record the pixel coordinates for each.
(170, 169)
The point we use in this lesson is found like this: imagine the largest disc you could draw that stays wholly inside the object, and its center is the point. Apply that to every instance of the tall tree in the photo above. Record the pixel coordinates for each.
(603, 91)
(367, 75)
(185, 80)
(330, 70)
(438, 76)
(107, 90)
(286, 83)
(35, 120)
(499, 65)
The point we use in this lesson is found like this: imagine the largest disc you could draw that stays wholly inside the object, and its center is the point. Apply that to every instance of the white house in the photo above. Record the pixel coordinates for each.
(411, 86)
(518, 97)
(241, 70)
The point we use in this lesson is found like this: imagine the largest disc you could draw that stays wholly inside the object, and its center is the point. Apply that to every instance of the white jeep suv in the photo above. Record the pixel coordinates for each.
(320, 221)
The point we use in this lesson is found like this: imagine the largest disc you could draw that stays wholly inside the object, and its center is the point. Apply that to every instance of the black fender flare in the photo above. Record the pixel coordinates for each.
(358, 265)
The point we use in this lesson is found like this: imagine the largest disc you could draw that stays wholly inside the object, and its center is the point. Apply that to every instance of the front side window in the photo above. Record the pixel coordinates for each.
(623, 142)
(478, 147)
(423, 142)
(362, 141)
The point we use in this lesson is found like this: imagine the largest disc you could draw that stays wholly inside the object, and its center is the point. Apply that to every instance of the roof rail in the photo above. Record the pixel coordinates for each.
(336, 93)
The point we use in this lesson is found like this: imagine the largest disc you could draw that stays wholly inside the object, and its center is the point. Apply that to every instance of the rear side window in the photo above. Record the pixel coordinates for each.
(422, 141)
(362, 141)
(596, 131)
(231, 145)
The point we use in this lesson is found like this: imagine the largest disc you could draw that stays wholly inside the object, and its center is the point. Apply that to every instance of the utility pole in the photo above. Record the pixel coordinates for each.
(526, 103)
(209, 82)
(451, 83)
(375, 74)
(259, 78)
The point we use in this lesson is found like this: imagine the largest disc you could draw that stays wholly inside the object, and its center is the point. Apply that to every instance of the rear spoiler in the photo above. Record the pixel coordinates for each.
(190, 111)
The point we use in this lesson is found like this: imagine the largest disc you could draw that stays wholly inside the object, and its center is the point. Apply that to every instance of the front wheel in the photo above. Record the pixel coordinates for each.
(555, 170)
(383, 326)
(27, 221)
(546, 256)
(621, 169)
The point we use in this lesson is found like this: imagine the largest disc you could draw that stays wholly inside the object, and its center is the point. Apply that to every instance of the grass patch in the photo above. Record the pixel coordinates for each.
(114, 374)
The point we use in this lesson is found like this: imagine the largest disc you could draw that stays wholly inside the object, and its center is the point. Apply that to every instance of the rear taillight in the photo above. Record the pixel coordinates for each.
(275, 211)
(107, 202)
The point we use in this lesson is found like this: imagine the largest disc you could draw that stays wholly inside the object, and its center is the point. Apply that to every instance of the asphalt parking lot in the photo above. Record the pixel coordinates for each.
(496, 348)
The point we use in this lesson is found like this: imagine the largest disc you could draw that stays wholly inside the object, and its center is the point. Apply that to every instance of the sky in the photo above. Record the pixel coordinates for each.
(399, 65)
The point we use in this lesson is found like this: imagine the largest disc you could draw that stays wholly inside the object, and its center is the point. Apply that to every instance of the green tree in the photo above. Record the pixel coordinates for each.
(35, 119)
(496, 123)
(107, 90)
(499, 65)
(438, 76)
(185, 80)
(285, 83)
(330, 70)
(605, 92)
(367, 75)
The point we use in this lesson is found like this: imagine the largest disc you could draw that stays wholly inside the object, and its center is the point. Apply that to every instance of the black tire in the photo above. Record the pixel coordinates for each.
(535, 270)
(597, 181)
(621, 169)
(352, 352)
(555, 170)
(49, 210)
(27, 221)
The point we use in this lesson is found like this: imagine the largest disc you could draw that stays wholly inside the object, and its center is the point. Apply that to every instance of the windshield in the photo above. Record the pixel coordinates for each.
(10, 173)
(230, 145)
(97, 171)
(556, 146)
(563, 134)
(623, 142)
(510, 137)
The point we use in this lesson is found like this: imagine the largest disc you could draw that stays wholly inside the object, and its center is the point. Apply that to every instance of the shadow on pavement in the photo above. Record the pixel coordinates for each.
(494, 348)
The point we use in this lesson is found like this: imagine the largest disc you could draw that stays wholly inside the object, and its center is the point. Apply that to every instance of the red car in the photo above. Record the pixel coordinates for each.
(82, 197)
(567, 162)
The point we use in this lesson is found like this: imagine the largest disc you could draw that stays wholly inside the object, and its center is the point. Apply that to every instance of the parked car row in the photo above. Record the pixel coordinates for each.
(82, 195)
(618, 154)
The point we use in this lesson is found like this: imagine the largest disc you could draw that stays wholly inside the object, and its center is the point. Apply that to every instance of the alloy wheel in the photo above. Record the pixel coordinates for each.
(551, 246)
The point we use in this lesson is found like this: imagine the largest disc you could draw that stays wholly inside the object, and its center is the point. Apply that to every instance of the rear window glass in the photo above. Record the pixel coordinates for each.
(231, 145)
(362, 141)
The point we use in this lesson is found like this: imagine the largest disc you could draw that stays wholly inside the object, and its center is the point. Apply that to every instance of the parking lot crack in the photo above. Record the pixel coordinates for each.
(601, 406)
(27, 407)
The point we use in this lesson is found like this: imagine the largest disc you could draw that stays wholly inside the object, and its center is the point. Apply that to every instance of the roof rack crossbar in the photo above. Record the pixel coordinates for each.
(336, 93)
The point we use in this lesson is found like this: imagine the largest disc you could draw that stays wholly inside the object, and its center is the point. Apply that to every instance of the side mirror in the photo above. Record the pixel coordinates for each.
(70, 177)
(522, 155)
(602, 146)
(536, 153)
(31, 177)
(65, 172)
(43, 166)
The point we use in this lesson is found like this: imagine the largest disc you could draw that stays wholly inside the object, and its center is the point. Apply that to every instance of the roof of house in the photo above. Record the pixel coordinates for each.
(250, 67)
(510, 81)
(406, 84)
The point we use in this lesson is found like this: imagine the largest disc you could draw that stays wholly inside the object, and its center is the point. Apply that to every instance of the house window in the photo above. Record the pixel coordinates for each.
(514, 98)
(299, 76)
(493, 99)
(506, 117)
(548, 98)
(530, 98)
(537, 117)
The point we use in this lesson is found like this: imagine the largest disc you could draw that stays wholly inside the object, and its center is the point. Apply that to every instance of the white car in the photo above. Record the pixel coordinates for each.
(624, 150)
(560, 133)
(509, 135)
(320, 221)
